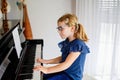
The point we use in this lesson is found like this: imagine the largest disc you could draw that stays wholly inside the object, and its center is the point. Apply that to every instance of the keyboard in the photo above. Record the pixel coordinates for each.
(26, 71)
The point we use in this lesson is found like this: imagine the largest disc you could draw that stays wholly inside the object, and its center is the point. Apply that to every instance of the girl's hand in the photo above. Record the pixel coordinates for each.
(40, 68)
(39, 60)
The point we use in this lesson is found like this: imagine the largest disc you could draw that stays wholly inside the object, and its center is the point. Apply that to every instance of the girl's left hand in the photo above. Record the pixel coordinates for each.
(40, 68)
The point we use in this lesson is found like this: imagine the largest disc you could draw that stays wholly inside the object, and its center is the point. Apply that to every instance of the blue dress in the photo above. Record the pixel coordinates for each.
(75, 71)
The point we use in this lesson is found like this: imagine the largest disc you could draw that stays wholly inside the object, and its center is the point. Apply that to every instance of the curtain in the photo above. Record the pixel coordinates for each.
(101, 19)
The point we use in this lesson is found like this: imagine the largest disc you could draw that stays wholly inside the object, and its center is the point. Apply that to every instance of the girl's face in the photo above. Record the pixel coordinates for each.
(64, 30)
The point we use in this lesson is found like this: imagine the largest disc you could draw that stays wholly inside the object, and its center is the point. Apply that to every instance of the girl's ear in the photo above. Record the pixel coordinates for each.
(72, 28)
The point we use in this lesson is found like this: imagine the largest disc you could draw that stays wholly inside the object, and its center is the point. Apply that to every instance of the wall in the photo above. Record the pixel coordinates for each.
(43, 15)
(13, 10)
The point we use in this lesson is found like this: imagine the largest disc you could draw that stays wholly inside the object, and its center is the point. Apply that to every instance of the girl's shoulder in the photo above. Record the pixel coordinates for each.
(78, 41)
(79, 45)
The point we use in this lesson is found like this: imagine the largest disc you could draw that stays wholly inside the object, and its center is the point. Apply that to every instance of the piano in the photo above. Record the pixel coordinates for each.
(13, 67)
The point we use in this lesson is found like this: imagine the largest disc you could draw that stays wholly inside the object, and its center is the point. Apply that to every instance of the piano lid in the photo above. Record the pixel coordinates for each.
(6, 41)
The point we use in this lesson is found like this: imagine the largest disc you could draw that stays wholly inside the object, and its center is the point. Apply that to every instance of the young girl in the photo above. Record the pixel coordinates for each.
(71, 63)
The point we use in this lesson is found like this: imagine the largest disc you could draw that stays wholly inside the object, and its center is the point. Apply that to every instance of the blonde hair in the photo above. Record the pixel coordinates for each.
(72, 20)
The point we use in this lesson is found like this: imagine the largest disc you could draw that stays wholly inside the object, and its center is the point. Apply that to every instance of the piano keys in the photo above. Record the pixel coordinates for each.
(13, 67)
(33, 52)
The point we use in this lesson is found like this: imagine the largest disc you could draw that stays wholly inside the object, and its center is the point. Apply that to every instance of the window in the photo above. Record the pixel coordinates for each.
(101, 19)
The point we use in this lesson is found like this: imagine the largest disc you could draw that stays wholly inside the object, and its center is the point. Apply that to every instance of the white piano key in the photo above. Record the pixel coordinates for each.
(38, 48)
(37, 74)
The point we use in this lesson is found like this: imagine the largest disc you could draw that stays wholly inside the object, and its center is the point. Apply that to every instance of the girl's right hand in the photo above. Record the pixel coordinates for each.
(39, 60)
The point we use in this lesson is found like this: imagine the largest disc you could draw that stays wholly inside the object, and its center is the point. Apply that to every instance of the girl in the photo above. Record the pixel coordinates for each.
(71, 63)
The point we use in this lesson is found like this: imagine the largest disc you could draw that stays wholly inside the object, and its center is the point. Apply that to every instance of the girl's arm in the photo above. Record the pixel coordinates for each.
(60, 67)
(51, 61)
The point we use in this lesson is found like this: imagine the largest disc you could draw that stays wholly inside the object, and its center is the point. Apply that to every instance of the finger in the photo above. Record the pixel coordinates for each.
(36, 68)
(38, 60)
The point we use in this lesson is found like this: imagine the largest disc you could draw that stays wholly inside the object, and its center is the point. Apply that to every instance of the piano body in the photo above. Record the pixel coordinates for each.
(13, 67)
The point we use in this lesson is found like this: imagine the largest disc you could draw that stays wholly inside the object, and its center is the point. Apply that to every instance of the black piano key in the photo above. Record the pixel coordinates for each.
(27, 69)
(28, 63)
(25, 76)
(30, 55)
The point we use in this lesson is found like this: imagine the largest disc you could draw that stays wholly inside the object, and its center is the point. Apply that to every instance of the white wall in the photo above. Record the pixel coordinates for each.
(43, 15)
(13, 12)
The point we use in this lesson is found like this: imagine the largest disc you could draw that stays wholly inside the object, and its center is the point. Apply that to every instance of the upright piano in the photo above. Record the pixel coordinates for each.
(14, 67)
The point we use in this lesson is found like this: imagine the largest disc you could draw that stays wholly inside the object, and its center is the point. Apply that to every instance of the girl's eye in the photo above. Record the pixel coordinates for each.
(60, 28)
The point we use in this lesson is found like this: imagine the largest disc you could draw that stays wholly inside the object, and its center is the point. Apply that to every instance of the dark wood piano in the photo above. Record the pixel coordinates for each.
(13, 67)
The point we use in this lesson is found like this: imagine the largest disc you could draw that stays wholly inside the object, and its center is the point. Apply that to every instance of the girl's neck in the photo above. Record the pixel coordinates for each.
(71, 38)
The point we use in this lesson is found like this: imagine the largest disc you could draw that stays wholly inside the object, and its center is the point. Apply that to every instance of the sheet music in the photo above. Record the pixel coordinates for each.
(17, 41)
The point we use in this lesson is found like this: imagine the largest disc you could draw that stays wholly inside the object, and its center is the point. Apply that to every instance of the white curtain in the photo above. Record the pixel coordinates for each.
(101, 19)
